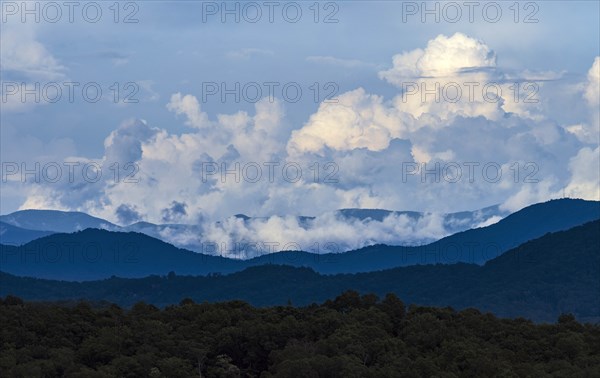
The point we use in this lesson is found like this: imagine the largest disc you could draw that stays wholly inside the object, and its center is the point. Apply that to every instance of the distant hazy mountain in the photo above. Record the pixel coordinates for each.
(193, 237)
(453, 222)
(448, 223)
(55, 221)
(95, 254)
(541, 279)
(13, 235)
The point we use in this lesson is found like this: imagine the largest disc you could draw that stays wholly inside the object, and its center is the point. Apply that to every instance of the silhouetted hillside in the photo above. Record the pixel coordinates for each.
(472, 246)
(13, 235)
(96, 254)
(541, 279)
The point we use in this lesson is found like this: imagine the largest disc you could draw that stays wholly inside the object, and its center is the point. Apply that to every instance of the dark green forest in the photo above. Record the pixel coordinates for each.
(350, 336)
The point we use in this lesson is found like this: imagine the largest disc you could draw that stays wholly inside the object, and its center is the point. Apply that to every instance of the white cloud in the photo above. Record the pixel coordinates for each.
(588, 131)
(328, 232)
(490, 221)
(357, 120)
(456, 76)
(585, 169)
(364, 142)
(443, 57)
(592, 91)
(188, 105)
(530, 194)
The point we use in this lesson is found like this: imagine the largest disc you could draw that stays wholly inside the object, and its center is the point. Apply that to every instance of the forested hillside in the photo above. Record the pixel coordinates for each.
(350, 336)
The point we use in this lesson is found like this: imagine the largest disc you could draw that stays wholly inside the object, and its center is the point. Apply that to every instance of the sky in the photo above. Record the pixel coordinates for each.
(190, 111)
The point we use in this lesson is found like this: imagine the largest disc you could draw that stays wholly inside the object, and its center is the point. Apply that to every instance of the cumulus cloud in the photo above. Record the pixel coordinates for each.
(588, 130)
(365, 151)
(439, 83)
(585, 169)
(189, 107)
(357, 120)
(458, 76)
(444, 56)
(592, 90)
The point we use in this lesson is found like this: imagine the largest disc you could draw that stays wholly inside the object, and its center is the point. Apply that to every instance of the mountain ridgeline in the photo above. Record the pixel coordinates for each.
(541, 279)
(55, 221)
(26, 225)
(13, 235)
(94, 254)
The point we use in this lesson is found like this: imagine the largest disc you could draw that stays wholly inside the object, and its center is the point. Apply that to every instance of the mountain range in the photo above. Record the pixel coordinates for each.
(93, 254)
(541, 279)
(194, 237)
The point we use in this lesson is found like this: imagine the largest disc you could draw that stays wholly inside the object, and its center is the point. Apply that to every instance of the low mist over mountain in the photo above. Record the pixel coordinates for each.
(96, 254)
(241, 236)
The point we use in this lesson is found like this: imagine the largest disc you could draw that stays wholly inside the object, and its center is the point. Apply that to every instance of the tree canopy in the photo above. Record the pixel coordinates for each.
(352, 335)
